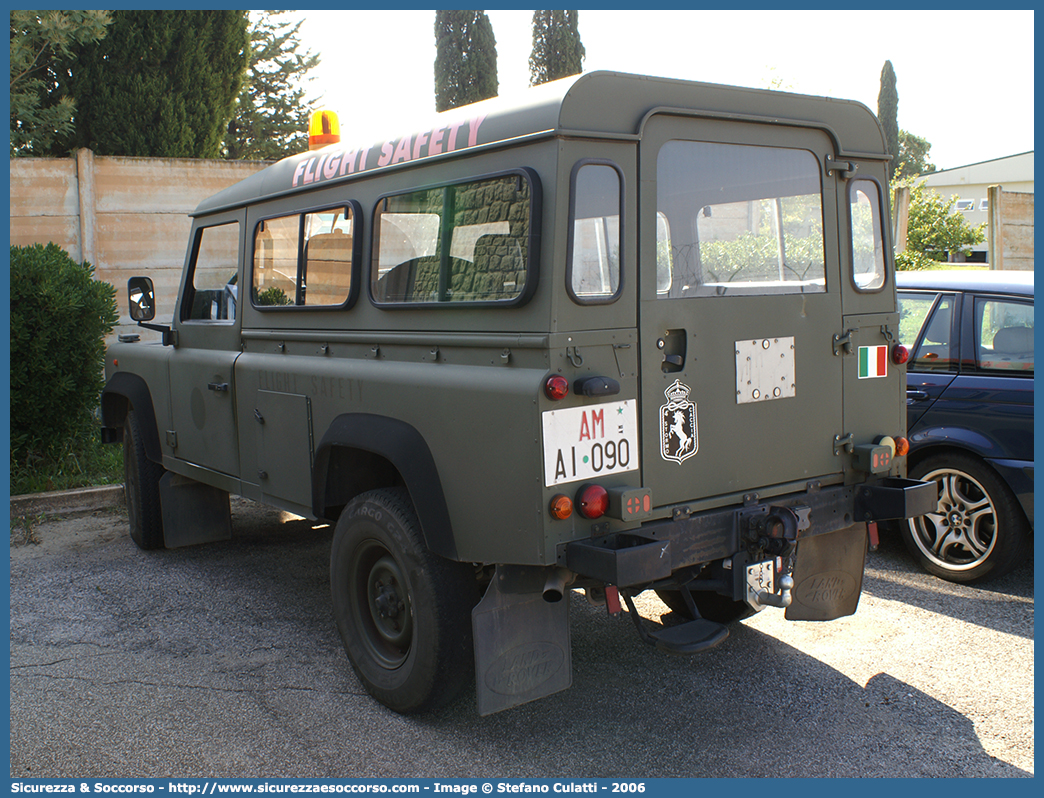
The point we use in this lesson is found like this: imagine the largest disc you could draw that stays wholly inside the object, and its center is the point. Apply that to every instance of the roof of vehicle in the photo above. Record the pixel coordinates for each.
(1020, 282)
(597, 104)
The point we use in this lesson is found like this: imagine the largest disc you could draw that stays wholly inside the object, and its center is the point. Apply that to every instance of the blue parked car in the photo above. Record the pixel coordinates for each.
(969, 399)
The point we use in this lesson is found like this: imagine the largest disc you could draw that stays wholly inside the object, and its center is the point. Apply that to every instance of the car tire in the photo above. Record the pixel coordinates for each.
(403, 612)
(712, 606)
(141, 479)
(978, 531)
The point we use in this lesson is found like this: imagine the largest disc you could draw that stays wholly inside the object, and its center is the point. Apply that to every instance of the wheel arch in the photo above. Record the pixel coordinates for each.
(124, 392)
(362, 451)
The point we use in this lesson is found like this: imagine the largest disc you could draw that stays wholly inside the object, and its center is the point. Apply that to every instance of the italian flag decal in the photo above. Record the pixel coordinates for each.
(873, 362)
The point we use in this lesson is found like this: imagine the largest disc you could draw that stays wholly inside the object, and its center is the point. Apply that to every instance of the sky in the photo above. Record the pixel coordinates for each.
(965, 79)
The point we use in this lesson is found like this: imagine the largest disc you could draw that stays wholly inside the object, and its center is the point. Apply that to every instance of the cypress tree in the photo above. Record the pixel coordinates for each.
(465, 59)
(557, 49)
(888, 113)
(161, 83)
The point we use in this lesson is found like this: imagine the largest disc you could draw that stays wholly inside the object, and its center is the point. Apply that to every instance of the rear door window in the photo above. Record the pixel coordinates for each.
(740, 220)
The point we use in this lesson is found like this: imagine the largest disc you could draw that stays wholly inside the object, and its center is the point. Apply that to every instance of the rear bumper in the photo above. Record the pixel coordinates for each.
(659, 548)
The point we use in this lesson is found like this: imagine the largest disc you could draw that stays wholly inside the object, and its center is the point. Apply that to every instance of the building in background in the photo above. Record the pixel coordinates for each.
(971, 183)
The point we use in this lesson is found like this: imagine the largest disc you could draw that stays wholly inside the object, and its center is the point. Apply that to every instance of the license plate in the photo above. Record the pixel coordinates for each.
(591, 441)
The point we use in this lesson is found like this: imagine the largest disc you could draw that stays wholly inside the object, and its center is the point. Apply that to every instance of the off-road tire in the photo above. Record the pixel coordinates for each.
(141, 479)
(992, 533)
(403, 612)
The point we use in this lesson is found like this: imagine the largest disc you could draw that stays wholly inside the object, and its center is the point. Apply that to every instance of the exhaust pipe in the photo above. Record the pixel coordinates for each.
(555, 586)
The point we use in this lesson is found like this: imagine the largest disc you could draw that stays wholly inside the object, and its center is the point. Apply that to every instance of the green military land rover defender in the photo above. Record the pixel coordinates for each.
(625, 334)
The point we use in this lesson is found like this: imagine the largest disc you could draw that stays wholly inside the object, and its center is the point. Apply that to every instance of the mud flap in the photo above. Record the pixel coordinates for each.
(193, 512)
(522, 648)
(828, 575)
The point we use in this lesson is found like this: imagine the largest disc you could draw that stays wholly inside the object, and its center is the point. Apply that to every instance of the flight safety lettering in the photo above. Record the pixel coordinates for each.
(329, 165)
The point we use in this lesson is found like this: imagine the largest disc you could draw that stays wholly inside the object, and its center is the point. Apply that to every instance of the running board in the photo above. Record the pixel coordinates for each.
(693, 637)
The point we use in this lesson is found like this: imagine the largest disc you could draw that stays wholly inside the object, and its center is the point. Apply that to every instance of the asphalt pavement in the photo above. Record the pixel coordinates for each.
(223, 661)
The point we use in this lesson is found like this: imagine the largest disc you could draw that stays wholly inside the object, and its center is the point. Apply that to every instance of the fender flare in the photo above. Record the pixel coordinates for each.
(135, 390)
(940, 436)
(405, 448)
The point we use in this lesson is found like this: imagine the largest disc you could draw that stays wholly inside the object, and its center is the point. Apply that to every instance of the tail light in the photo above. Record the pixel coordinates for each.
(902, 447)
(556, 387)
(592, 501)
(900, 354)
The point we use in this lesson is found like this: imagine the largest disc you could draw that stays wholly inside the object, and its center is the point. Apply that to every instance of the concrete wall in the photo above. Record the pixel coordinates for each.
(1011, 229)
(126, 216)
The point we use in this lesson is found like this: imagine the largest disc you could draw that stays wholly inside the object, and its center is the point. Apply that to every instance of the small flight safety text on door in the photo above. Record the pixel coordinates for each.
(585, 442)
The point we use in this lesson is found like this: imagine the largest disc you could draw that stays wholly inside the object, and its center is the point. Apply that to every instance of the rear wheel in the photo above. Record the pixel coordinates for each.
(141, 479)
(978, 530)
(403, 613)
(712, 606)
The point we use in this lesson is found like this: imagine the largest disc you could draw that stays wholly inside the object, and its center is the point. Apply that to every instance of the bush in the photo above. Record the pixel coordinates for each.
(60, 316)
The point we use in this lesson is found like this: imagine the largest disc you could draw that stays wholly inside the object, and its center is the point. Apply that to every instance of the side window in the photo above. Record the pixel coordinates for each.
(739, 220)
(594, 233)
(305, 259)
(467, 242)
(1004, 335)
(926, 327)
(868, 262)
(213, 293)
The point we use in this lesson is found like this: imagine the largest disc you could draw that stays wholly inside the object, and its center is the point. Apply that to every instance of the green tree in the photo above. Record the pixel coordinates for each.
(161, 83)
(557, 49)
(271, 120)
(39, 39)
(935, 233)
(913, 155)
(888, 113)
(465, 59)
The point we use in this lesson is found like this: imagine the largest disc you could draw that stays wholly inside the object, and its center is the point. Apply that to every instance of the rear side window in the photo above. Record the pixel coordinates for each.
(739, 220)
(868, 263)
(212, 292)
(1004, 333)
(594, 233)
(468, 242)
(305, 259)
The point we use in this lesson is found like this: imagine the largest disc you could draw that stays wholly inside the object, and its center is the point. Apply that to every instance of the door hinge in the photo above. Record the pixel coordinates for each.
(172, 439)
(846, 169)
(843, 342)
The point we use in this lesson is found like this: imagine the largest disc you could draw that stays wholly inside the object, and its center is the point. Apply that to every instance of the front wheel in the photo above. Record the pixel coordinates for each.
(403, 613)
(978, 530)
(141, 478)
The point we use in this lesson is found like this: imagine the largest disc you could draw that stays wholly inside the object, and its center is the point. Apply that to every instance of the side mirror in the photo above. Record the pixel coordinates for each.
(142, 299)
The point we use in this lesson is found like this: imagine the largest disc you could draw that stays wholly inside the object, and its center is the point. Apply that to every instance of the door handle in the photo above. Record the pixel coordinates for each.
(221, 387)
(916, 396)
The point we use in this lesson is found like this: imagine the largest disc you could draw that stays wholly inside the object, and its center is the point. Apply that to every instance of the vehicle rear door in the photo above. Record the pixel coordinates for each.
(740, 385)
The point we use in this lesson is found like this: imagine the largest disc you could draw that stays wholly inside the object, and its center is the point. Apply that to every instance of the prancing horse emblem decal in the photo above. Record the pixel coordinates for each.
(679, 439)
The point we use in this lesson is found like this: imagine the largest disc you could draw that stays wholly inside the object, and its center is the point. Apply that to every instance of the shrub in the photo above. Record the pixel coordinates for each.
(60, 316)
